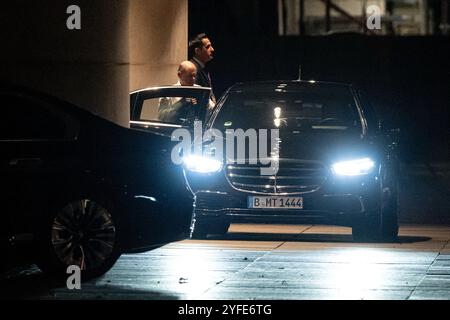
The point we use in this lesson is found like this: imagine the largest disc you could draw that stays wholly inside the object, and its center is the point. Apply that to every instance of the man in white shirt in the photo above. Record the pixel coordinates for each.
(177, 109)
(187, 74)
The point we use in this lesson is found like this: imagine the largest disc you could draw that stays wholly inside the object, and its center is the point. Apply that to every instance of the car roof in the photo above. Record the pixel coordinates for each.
(285, 85)
(59, 103)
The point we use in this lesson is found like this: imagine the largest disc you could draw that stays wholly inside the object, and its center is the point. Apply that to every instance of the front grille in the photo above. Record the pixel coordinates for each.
(293, 176)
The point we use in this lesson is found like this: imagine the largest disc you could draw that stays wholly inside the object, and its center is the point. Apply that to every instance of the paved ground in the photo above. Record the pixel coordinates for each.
(270, 262)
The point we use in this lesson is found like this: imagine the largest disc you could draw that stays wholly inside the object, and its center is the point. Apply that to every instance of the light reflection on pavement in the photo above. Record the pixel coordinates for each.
(272, 262)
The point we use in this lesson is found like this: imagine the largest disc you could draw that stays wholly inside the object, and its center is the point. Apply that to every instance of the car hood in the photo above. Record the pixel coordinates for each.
(326, 147)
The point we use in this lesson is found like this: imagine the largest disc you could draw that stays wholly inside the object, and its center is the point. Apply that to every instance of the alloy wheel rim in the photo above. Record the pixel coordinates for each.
(83, 234)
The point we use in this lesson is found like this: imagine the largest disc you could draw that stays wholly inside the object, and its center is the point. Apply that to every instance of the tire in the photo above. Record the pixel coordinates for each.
(205, 226)
(199, 234)
(381, 227)
(367, 229)
(389, 224)
(82, 231)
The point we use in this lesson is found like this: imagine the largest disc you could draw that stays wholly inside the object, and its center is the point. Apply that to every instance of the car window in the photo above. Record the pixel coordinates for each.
(332, 110)
(369, 111)
(168, 109)
(26, 119)
(171, 104)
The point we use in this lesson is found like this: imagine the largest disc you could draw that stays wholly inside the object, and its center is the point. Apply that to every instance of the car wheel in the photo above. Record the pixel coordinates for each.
(366, 229)
(199, 233)
(203, 227)
(389, 216)
(380, 227)
(82, 232)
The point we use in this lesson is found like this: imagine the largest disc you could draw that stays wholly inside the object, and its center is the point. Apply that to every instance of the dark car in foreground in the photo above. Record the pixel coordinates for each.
(83, 189)
(336, 164)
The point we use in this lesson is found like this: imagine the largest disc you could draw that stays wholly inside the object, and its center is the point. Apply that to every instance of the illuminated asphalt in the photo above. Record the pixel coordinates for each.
(270, 262)
(284, 261)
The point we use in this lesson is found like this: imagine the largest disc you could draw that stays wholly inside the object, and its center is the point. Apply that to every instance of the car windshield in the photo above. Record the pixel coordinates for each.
(308, 109)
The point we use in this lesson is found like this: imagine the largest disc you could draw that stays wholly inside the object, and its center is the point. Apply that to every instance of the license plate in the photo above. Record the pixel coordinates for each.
(256, 202)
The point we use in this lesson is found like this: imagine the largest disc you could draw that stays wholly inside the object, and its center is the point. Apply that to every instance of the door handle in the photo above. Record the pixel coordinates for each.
(24, 162)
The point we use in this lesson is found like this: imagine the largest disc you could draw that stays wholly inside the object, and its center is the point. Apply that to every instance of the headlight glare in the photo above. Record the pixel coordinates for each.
(353, 167)
(201, 164)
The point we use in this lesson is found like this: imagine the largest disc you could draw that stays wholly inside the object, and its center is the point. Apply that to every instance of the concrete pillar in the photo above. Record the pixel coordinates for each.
(122, 45)
(158, 41)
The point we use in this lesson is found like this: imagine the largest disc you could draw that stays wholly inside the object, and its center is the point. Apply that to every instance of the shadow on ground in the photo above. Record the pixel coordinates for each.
(29, 283)
(26, 282)
(310, 237)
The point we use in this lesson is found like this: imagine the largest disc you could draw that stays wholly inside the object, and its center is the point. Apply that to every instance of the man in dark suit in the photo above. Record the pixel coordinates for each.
(200, 53)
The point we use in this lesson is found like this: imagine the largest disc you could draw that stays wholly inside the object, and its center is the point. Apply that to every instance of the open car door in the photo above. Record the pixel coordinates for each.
(164, 109)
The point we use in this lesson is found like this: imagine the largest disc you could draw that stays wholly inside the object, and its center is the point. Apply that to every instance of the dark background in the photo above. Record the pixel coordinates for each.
(408, 78)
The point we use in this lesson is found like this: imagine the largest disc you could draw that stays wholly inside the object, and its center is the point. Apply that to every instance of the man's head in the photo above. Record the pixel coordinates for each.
(201, 48)
(187, 72)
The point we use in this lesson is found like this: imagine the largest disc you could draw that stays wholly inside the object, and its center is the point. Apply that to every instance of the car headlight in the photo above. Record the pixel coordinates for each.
(353, 167)
(201, 164)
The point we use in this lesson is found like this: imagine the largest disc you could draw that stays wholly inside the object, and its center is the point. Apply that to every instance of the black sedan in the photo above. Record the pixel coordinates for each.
(332, 162)
(84, 189)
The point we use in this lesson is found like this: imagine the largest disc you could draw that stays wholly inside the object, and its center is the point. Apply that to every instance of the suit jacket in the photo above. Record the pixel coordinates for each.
(203, 79)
